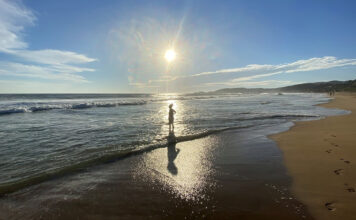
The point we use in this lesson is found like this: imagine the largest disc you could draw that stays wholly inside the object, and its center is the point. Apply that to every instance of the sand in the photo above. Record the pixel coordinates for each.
(231, 175)
(321, 158)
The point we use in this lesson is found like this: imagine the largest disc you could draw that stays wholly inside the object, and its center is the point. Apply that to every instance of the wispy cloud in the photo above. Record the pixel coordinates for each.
(250, 75)
(52, 56)
(317, 63)
(13, 19)
(54, 72)
(35, 86)
(248, 78)
(143, 85)
(266, 83)
(46, 64)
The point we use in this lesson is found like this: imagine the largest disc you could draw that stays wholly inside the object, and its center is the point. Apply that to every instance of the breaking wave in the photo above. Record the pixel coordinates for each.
(47, 107)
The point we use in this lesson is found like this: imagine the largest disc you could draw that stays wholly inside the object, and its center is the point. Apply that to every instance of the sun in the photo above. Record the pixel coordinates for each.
(170, 55)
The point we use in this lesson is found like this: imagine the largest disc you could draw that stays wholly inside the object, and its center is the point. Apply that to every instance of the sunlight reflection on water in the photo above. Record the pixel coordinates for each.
(183, 170)
(179, 126)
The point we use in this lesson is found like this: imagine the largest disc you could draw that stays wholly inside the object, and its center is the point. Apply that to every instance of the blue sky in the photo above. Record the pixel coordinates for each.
(65, 46)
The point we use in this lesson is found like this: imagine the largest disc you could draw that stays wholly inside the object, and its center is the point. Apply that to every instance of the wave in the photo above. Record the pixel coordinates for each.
(40, 108)
(280, 116)
(32, 107)
(9, 187)
(12, 111)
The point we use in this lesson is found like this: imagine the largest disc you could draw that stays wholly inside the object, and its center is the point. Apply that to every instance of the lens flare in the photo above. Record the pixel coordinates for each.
(170, 55)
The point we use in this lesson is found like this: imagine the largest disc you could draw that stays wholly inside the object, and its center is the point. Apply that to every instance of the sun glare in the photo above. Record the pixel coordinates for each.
(170, 55)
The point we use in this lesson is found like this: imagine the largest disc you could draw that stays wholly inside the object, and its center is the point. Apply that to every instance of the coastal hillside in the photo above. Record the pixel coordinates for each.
(338, 86)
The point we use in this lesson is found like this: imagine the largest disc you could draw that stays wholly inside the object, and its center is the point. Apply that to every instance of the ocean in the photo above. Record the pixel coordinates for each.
(46, 135)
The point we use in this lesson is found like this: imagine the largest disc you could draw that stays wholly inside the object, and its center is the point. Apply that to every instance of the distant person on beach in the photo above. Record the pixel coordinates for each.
(171, 118)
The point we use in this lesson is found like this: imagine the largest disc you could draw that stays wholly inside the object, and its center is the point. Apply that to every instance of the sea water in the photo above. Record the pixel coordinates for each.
(43, 135)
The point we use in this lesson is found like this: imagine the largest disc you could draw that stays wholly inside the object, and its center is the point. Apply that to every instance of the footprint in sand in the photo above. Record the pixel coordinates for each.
(345, 161)
(351, 189)
(330, 206)
(335, 145)
(328, 151)
(327, 140)
(339, 171)
(333, 135)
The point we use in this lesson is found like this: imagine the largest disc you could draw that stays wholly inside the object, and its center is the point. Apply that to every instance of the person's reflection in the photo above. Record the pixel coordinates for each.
(172, 154)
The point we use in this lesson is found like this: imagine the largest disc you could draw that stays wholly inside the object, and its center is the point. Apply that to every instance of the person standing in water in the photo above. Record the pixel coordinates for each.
(171, 118)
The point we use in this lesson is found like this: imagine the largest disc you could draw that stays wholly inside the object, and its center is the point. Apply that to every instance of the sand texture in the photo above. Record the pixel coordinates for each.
(321, 158)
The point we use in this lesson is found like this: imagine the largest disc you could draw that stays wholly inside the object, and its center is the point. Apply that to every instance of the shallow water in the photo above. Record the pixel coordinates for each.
(41, 135)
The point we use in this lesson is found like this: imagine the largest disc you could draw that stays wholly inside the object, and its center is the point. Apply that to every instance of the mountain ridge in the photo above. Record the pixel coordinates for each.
(317, 87)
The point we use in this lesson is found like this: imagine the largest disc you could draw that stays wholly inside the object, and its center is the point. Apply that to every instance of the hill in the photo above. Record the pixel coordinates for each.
(318, 87)
(338, 86)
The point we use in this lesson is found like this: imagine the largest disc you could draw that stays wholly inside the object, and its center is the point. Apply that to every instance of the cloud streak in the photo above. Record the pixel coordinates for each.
(45, 64)
(52, 56)
(248, 76)
(266, 83)
(51, 72)
(317, 63)
(13, 19)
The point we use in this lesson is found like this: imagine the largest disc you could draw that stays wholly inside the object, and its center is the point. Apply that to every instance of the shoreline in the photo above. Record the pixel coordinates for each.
(225, 175)
(320, 156)
(230, 175)
(12, 187)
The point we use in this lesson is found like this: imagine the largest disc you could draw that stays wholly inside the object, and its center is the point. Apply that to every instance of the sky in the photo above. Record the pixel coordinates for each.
(112, 46)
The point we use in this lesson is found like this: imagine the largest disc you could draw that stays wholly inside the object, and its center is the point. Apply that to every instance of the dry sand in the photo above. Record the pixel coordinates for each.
(321, 158)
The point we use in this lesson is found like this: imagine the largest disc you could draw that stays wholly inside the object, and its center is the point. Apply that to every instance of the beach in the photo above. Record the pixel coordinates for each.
(321, 157)
(177, 110)
(223, 176)
(223, 165)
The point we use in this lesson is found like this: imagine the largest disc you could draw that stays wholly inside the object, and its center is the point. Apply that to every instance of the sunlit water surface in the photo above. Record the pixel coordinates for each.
(46, 134)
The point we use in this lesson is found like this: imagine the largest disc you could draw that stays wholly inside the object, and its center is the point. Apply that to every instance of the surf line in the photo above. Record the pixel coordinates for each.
(11, 187)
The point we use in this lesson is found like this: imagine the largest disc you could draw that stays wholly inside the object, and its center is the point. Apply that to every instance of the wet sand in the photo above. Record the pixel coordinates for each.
(321, 158)
(232, 175)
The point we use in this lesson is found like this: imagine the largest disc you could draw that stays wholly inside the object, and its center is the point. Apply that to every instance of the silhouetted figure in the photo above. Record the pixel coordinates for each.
(171, 118)
(172, 153)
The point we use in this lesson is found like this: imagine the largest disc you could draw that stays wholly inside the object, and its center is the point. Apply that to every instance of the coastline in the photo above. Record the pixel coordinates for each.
(230, 175)
(320, 156)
